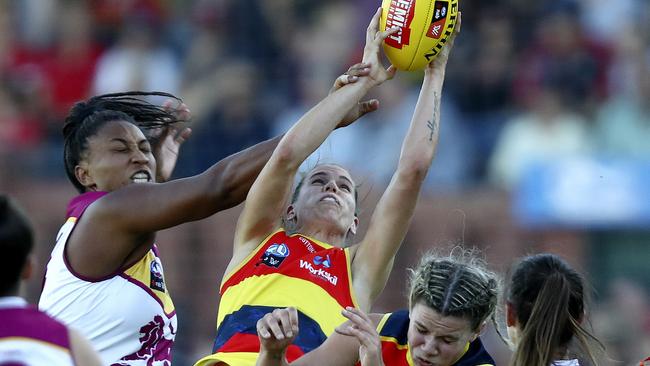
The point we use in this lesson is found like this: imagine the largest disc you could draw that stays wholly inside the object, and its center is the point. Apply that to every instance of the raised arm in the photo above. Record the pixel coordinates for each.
(166, 141)
(389, 223)
(115, 227)
(268, 195)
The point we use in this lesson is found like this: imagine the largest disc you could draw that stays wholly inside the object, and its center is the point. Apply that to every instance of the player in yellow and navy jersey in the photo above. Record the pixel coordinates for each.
(304, 255)
(451, 299)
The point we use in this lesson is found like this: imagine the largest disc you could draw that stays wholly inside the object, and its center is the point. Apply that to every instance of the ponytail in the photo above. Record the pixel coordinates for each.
(546, 326)
(549, 301)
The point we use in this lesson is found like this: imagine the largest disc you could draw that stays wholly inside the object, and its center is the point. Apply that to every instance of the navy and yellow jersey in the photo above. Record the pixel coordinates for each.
(393, 330)
(284, 270)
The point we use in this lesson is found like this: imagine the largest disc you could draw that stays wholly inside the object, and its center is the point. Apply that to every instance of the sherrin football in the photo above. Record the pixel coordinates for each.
(424, 27)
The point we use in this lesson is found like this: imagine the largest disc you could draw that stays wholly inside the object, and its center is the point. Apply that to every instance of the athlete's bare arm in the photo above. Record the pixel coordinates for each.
(268, 195)
(120, 226)
(353, 341)
(373, 259)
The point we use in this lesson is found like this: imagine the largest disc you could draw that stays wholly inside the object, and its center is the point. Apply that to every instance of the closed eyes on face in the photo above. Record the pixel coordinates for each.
(450, 339)
(122, 146)
(145, 146)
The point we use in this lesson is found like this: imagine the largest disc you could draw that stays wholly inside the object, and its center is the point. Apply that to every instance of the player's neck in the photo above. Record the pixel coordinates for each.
(329, 235)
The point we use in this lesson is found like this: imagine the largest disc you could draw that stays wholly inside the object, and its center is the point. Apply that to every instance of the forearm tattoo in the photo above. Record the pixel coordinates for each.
(432, 127)
(433, 124)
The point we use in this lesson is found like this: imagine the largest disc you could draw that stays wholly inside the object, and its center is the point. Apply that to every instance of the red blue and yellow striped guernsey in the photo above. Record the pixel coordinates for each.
(284, 270)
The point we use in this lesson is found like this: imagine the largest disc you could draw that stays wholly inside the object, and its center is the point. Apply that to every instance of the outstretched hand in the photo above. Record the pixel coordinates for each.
(439, 64)
(277, 330)
(371, 52)
(361, 327)
(371, 68)
(354, 73)
(166, 141)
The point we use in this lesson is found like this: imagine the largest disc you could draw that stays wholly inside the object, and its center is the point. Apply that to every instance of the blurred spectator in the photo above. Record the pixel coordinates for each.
(206, 43)
(548, 131)
(233, 120)
(603, 21)
(321, 50)
(563, 53)
(52, 71)
(627, 335)
(70, 65)
(623, 123)
(17, 130)
(7, 37)
(139, 60)
(36, 20)
(484, 89)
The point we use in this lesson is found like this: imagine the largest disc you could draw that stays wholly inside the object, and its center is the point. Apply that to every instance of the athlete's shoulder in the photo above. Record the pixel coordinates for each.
(476, 355)
(395, 325)
(30, 323)
(79, 204)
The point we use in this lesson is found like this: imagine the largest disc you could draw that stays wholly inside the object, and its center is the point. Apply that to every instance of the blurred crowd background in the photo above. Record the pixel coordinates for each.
(545, 131)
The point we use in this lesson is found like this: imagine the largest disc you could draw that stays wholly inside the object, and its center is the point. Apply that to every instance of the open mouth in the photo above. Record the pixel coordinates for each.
(141, 176)
(330, 198)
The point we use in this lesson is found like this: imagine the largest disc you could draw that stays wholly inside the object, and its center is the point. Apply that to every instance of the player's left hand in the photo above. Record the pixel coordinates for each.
(354, 73)
(277, 330)
(166, 141)
(438, 64)
(361, 327)
(372, 54)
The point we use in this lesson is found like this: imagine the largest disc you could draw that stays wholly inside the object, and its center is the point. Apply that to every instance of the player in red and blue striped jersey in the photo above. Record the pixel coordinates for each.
(305, 255)
(451, 300)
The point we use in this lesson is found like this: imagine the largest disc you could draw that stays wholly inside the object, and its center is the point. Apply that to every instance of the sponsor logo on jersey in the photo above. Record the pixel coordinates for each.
(307, 244)
(275, 254)
(157, 281)
(325, 262)
(323, 274)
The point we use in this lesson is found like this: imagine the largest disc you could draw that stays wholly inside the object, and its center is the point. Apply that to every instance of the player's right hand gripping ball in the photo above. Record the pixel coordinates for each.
(425, 26)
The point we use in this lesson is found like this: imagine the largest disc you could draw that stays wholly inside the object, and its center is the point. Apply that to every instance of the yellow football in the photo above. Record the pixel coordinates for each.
(424, 27)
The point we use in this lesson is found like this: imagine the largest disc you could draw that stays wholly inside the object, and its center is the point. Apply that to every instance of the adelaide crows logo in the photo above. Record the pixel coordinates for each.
(275, 254)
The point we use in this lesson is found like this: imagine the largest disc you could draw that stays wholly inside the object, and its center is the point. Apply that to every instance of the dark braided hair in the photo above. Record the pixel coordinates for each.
(87, 117)
(457, 285)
